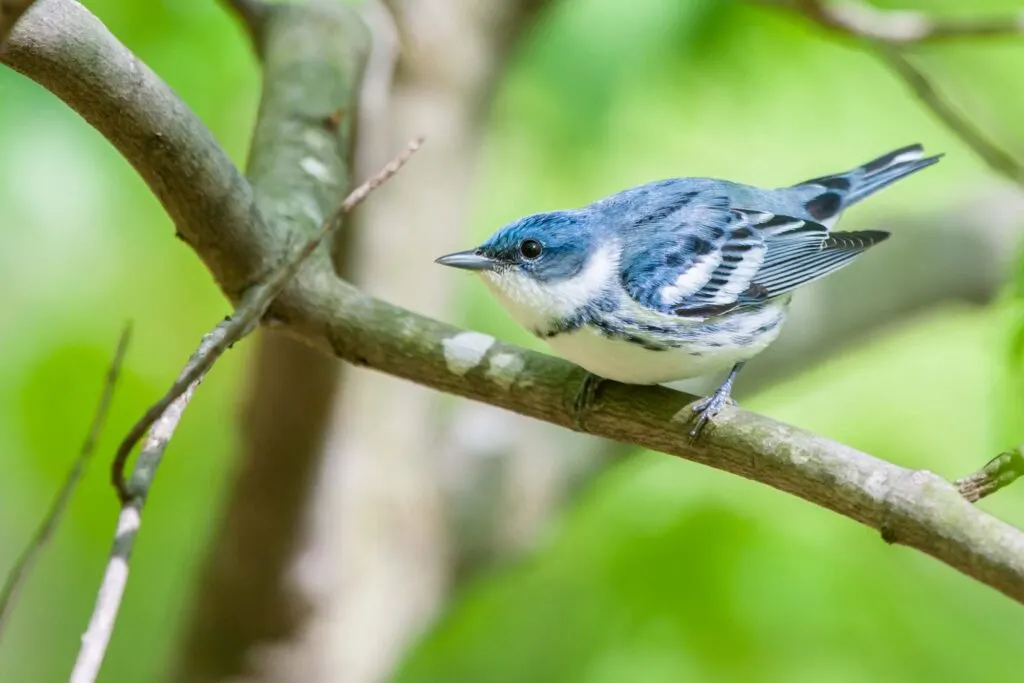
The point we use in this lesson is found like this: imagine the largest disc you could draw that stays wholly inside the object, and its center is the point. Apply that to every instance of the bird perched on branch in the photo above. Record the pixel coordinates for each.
(678, 278)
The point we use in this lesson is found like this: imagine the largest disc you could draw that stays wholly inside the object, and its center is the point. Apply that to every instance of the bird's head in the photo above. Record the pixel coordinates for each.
(541, 264)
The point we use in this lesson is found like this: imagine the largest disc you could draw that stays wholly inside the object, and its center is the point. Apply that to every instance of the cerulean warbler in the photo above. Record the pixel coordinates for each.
(677, 278)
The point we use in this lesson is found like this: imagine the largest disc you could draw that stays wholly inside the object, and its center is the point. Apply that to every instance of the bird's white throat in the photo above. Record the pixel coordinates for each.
(535, 304)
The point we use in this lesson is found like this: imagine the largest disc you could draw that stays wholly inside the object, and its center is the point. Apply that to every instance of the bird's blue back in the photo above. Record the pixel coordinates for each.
(702, 246)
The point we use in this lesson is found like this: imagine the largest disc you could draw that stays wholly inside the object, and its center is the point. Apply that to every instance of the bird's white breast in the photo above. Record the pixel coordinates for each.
(534, 304)
(704, 353)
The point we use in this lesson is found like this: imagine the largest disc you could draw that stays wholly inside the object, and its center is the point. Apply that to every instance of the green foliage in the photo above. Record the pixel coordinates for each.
(664, 571)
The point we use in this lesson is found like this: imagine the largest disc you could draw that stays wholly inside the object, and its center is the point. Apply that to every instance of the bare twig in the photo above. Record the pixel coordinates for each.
(999, 472)
(902, 27)
(115, 578)
(10, 12)
(163, 417)
(253, 15)
(24, 563)
(245, 318)
(998, 160)
(887, 33)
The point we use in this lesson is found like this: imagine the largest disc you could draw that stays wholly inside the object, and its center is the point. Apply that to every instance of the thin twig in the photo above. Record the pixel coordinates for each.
(999, 472)
(902, 27)
(10, 12)
(19, 572)
(115, 578)
(887, 33)
(998, 160)
(168, 412)
(248, 314)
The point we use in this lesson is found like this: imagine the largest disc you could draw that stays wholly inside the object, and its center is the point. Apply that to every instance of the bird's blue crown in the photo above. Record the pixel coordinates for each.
(548, 246)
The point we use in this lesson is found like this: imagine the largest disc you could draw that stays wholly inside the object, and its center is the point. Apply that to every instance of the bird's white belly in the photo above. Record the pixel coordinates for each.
(631, 363)
(711, 351)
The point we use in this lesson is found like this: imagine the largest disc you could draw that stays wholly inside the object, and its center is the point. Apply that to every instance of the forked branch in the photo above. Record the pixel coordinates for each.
(163, 417)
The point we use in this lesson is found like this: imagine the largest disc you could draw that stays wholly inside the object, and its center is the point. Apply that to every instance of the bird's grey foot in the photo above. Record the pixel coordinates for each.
(585, 398)
(706, 408)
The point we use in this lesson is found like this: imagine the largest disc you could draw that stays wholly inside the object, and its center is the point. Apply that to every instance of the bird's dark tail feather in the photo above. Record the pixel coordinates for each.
(860, 182)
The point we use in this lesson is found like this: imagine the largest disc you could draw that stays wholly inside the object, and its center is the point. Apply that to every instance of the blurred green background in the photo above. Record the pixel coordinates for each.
(663, 570)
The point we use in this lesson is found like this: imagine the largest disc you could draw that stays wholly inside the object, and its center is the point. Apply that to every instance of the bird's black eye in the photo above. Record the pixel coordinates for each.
(530, 249)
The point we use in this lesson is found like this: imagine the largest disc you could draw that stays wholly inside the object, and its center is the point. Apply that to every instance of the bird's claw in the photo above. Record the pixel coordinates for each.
(705, 410)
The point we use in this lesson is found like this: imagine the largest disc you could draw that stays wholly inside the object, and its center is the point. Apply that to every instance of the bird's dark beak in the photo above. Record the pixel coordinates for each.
(470, 259)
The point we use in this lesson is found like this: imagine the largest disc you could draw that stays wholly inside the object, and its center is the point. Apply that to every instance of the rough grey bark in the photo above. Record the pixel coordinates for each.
(914, 508)
(10, 13)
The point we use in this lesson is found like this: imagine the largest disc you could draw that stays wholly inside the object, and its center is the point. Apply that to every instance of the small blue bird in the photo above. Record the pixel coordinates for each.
(677, 278)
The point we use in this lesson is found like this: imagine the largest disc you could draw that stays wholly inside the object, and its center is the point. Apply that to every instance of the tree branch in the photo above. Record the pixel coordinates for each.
(19, 572)
(244, 319)
(915, 508)
(10, 12)
(998, 159)
(902, 27)
(67, 50)
(163, 417)
(887, 33)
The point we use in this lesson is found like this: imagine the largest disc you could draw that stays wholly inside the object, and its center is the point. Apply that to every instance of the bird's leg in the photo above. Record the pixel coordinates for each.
(585, 397)
(706, 408)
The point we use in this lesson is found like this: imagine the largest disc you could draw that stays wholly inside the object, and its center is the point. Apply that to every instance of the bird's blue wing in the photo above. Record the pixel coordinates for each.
(790, 264)
(695, 255)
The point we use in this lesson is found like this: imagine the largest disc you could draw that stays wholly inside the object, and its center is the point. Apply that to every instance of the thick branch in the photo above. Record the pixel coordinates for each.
(10, 13)
(254, 305)
(280, 205)
(914, 508)
(163, 417)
